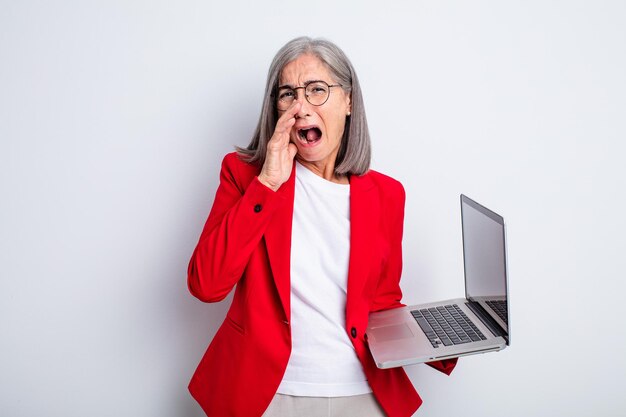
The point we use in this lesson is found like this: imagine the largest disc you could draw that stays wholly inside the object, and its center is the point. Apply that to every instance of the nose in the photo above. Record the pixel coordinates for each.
(300, 96)
(304, 103)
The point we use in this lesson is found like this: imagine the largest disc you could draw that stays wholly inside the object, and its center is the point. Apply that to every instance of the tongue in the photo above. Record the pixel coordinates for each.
(313, 134)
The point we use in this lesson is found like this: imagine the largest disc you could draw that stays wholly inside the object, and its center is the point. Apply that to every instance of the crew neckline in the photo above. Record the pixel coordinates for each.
(310, 176)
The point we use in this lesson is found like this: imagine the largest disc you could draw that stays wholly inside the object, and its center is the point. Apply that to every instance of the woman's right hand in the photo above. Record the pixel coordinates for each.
(280, 151)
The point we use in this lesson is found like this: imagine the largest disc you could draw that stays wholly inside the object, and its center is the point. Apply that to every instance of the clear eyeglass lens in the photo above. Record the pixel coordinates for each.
(285, 98)
(317, 93)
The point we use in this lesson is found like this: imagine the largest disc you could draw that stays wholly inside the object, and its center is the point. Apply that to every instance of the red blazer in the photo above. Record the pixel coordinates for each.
(246, 242)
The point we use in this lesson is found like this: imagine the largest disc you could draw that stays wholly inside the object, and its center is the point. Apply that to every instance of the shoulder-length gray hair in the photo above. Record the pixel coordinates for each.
(355, 150)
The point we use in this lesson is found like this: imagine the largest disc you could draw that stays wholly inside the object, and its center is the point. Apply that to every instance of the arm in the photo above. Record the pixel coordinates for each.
(235, 226)
(241, 212)
(388, 293)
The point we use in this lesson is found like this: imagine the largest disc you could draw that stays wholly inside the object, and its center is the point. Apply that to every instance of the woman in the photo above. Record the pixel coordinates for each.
(311, 237)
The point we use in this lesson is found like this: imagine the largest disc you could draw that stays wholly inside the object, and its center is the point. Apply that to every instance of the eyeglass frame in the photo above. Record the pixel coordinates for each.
(306, 84)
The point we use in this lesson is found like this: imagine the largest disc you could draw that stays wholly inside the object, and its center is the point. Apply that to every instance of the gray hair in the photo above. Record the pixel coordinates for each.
(355, 150)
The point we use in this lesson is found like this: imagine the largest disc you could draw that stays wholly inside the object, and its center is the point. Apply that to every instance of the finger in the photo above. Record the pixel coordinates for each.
(292, 110)
(289, 116)
(285, 123)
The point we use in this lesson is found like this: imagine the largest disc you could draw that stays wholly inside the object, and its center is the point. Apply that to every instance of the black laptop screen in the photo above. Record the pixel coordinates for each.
(484, 255)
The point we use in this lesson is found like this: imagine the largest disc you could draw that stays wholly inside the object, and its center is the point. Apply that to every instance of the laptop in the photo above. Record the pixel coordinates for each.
(478, 323)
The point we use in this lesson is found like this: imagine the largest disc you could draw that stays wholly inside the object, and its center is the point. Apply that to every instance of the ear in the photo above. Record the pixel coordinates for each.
(348, 104)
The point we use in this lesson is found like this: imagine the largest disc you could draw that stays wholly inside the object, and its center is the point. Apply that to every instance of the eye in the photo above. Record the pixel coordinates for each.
(318, 89)
(286, 94)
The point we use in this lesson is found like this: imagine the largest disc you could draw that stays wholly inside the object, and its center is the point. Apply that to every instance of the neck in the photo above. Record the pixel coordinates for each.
(325, 170)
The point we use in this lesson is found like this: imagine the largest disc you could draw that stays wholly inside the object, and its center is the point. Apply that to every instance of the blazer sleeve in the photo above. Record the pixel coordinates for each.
(241, 211)
(388, 293)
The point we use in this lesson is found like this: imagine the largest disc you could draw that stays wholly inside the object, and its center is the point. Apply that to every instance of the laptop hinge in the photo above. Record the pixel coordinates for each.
(487, 320)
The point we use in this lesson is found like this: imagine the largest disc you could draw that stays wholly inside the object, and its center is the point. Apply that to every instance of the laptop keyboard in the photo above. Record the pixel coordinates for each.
(499, 307)
(447, 325)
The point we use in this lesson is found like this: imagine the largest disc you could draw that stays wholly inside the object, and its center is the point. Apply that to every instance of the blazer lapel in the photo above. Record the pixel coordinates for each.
(278, 242)
(364, 210)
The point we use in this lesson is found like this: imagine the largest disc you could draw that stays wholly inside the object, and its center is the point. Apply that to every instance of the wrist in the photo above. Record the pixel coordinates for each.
(267, 183)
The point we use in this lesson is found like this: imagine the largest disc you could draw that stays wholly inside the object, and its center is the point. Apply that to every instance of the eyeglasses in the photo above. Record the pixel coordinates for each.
(315, 92)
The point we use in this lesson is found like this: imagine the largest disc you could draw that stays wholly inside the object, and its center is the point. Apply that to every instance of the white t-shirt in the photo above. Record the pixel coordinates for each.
(323, 362)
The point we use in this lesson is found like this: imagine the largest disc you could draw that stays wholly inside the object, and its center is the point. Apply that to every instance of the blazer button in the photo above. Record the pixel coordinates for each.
(257, 208)
(353, 333)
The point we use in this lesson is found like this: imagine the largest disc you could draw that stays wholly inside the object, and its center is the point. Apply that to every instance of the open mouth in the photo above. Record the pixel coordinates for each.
(310, 135)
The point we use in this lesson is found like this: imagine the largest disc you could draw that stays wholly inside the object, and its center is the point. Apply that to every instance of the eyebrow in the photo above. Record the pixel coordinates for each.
(306, 82)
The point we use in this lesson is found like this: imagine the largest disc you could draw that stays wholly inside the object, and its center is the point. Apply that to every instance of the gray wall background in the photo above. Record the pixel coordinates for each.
(114, 117)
